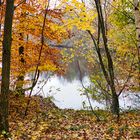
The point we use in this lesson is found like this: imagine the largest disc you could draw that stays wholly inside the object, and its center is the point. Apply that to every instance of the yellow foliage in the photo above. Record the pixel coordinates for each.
(78, 15)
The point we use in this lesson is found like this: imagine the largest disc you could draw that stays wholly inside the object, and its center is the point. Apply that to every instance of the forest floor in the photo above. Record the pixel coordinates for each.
(45, 121)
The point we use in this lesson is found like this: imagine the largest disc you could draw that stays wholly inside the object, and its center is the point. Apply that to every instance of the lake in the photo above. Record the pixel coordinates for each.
(69, 95)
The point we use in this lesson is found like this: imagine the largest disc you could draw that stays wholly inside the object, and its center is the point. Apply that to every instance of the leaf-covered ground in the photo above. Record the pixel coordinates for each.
(46, 122)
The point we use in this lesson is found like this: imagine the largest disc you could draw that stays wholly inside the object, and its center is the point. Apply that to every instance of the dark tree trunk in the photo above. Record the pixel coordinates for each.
(0, 16)
(6, 55)
(20, 78)
(109, 72)
(115, 103)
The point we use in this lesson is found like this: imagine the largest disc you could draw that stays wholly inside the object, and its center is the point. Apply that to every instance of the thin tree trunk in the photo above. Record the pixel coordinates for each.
(1, 16)
(87, 94)
(137, 23)
(109, 76)
(37, 71)
(6, 55)
(20, 78)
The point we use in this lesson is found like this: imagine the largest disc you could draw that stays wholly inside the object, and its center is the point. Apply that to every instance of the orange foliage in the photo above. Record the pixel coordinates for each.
(27, 30)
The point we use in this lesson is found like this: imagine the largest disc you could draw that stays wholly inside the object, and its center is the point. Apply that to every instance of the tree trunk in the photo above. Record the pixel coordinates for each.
(109, 72)
(20, 78)
(115, 102)
(6, 55)
(1, 16)
(137, 23)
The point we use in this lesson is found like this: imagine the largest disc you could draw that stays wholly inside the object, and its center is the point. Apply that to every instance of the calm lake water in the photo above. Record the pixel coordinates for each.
(68, 94)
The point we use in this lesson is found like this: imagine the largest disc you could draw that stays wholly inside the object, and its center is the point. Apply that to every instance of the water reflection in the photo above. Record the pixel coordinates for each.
(68, 94)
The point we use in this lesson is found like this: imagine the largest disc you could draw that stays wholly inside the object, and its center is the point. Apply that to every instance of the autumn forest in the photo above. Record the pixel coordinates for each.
(66, 42)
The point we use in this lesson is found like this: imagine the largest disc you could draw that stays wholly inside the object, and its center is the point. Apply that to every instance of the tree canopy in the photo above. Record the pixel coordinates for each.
(100, 38)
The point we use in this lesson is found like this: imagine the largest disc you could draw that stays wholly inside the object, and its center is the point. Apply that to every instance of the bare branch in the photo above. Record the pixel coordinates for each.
(127, 79)
(19, 4)
(97, 117)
